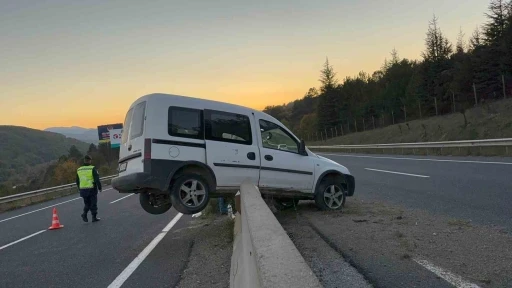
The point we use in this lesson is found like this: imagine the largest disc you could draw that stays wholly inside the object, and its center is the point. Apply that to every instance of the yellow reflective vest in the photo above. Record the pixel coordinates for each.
(86, 177)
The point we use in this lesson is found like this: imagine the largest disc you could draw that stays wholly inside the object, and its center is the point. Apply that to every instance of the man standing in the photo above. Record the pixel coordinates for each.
(88, 181)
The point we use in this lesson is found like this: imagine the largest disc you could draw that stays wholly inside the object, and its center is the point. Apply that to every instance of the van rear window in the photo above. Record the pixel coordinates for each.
(137, 127)
(126, 126)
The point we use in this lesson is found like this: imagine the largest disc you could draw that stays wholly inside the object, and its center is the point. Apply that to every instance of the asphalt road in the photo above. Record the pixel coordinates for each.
(92, 254)
(397, 231)
(471, 188)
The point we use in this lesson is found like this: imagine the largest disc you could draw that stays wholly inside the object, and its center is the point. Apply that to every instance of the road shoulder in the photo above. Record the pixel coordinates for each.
(383, 241)
(210, 257)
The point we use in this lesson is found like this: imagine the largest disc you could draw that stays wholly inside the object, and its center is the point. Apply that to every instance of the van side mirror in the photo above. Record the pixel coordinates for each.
(302, 148)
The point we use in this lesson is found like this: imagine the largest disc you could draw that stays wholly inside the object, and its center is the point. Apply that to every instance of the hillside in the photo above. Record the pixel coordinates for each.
(492, 120)
(22, 148)
(83, 134)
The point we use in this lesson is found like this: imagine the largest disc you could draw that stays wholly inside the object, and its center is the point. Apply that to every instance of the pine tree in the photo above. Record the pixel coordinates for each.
(328, 77)
(499, 12)
(459, 48)
(327, 109)
(437, 45)
(476, 40)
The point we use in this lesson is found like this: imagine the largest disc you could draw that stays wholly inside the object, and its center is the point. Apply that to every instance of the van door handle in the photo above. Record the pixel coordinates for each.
(251, 156)
(269, 157)
(130, 147)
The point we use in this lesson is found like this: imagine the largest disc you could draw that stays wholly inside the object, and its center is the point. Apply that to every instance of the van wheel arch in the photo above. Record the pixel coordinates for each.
(330, 174)
(193, 167)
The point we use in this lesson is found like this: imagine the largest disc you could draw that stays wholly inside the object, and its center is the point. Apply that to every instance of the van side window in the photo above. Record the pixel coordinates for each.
(126, 126)
(227, 127)
(275, 137)
(185, 122)
(137, 127)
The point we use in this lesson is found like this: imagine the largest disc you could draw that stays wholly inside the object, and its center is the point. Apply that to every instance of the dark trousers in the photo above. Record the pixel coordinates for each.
(90, 201)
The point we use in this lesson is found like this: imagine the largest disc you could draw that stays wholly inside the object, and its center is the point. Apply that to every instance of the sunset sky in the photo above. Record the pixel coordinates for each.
(82, 63)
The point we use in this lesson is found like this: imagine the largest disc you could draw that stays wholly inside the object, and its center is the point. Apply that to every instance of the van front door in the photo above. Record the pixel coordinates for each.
(282, 166)
(231, 148)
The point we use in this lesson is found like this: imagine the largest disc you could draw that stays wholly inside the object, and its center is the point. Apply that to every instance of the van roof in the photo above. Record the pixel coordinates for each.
(228, 106)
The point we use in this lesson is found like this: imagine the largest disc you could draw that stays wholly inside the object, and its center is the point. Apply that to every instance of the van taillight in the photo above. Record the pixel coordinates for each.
(147, 148)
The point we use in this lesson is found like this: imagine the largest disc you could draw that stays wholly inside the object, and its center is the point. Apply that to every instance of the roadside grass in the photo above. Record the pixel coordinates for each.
(487, 121)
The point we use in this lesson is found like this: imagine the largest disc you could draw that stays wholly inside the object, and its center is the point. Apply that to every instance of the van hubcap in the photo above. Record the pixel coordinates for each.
(192, 193)
(333, 196)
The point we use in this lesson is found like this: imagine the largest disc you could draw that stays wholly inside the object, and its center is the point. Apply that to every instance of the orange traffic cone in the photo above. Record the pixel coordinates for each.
(55, 221)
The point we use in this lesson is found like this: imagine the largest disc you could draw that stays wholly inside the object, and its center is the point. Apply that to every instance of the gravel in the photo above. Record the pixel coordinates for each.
(210, 258)
(381, 241)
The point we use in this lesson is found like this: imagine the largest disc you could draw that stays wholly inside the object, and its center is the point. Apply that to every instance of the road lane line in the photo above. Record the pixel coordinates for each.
(400, 173)
(51, 206)
(37, 210)
(127, 272)
(24, 238)
(449, 277)
(420, 159)
(122, 198)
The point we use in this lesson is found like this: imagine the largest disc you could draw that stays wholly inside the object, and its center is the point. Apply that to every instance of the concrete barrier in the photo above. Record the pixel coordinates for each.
(263, 254)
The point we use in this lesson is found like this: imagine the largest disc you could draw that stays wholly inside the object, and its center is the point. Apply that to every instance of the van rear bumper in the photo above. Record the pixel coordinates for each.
(135, 182)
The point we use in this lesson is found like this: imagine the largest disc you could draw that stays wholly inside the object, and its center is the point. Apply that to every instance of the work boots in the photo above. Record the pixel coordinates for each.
(84, 217)
(95, 218)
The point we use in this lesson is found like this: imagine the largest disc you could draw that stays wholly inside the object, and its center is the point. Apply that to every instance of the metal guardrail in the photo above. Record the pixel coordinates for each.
(445, 144)
(43, 191)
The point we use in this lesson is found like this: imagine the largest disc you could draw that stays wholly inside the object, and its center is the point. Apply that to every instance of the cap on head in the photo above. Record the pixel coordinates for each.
(87, 158)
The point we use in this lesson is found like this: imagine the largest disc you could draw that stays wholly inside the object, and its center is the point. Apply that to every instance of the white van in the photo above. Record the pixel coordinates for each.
(181, 151)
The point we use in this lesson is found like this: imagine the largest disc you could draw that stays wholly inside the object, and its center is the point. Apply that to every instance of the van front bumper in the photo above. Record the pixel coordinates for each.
(351, 183)
(135, 182)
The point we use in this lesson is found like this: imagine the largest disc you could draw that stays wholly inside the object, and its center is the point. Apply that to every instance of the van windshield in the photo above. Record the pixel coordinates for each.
(126, 126)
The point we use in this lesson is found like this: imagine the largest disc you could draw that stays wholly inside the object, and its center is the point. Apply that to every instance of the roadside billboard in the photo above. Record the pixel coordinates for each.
(105, 130)
(115, 137)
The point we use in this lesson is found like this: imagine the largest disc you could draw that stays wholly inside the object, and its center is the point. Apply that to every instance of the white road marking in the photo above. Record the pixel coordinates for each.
(451, 278)
(400, 173)
(122, 198)
(127, 272)
(420, 159)
(51, 206)
(24, 238)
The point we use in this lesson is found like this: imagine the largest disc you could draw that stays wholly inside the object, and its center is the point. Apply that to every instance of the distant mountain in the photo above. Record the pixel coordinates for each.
(88, 135)
(22, 148)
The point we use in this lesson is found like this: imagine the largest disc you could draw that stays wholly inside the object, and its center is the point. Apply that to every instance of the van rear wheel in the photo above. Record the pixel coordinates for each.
(155, 203)
(190, 193)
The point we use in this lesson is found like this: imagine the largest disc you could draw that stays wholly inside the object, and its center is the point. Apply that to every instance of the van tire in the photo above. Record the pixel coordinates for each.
(145, 202)
(179, 193)
(324, 191)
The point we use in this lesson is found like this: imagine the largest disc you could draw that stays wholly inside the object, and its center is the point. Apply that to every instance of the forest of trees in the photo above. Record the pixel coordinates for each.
(63, 171)
(448, 78)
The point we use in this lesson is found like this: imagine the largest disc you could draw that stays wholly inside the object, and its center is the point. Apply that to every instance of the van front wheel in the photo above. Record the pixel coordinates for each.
(330, 195)
(190, 193)
(155, 203)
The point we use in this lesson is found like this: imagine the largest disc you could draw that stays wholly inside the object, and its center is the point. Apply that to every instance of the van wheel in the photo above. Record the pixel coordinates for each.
(283, 203)
(190, 193)
(330, 194)
(155, 203)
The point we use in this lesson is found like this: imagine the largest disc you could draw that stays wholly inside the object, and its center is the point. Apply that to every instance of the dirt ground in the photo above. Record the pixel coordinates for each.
(210, 258)
(383, 241)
